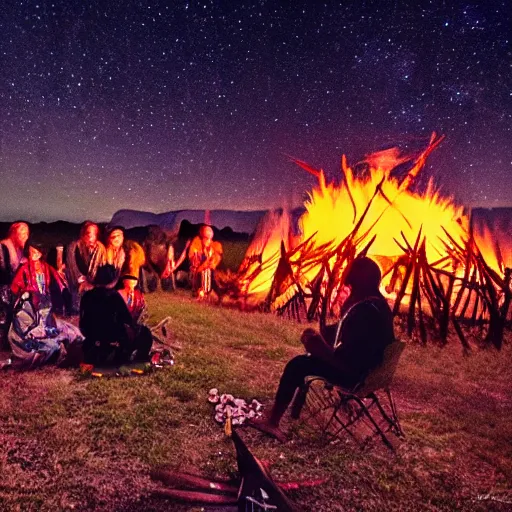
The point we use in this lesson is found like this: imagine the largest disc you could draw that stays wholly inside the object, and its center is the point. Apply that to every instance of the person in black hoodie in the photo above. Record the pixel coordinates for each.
(343, 353)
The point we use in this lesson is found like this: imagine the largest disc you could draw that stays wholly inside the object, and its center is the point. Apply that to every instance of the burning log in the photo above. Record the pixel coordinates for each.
(316, 292)
(411, 261)
(283, 279)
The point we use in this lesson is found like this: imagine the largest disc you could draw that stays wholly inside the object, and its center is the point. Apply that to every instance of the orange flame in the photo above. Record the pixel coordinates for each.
(396, 212)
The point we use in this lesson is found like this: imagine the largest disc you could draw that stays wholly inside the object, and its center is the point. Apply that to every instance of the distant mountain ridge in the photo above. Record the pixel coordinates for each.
(239, 221)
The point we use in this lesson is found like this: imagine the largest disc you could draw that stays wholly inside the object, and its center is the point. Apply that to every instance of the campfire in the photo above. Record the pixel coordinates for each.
(438, 271)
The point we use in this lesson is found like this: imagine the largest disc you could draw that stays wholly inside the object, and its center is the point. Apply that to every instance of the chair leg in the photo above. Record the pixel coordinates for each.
(340, 411)
(319, 404)
(392, 404)
(391, 419)
(298, 401)
(333, 411)
(376, 426)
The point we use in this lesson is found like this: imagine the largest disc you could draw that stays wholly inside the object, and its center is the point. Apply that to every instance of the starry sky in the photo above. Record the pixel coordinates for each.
(162, 106)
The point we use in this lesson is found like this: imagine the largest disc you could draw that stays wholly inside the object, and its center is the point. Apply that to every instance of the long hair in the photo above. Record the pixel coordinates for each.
(86, 225)
(15, 226)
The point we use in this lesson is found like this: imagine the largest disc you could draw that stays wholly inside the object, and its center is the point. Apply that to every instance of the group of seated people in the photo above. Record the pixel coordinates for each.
(34, 334)
(111, 309)
(96, 281)
(112, 320)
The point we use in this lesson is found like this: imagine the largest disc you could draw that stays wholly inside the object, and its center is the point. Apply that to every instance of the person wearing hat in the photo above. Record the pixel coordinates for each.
(36, 275)
(344, 353)
(107, 324)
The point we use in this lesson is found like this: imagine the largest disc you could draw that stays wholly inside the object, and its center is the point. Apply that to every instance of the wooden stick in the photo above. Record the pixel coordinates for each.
(196, 497)
(460, 334)
(408, 271)
(411, 321)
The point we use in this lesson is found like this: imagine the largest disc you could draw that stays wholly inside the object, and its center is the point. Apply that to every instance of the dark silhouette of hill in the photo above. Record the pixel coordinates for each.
(240, 221)
(53, 234)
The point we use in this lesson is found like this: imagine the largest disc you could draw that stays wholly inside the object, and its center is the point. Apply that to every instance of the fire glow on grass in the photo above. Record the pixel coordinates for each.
(390, 209)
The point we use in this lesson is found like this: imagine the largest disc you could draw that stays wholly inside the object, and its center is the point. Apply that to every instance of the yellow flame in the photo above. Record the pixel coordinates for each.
(330, 213)
(273, 230)
(395, 213)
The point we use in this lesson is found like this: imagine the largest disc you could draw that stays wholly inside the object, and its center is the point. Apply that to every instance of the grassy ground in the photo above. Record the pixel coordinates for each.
(73, 444)
(234, 252)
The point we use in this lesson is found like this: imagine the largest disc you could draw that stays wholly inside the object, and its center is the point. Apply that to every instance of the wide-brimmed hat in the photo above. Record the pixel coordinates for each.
(110, 229)
(36, 245)
(105, 275)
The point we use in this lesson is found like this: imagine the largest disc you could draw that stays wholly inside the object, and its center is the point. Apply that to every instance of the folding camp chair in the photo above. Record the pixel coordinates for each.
(337, 411)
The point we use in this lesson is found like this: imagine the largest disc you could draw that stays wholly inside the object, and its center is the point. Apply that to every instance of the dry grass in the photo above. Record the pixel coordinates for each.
(73, 444)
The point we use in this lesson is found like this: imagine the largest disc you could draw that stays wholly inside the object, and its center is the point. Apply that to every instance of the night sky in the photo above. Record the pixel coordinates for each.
(165, 105)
